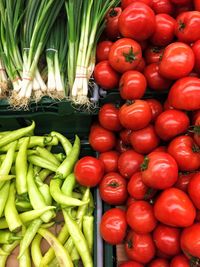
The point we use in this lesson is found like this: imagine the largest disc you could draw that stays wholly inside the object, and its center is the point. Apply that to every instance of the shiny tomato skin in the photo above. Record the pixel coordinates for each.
(141, 65)
(159, 262)
(197, 131)
(180, 2)
(124, 55)
(185, 94)
(153, 54)
(137, 21)
(136, 188)
(177, 61)
(193, 189)
(135, 115)
(140, 217)
(197, 5)
(130, 201)
(108, 117)
(163, 7)
(187, 27)
(139, 247)
(182, 149)
(110, 160)
(125, 3)
(105, 76)
(125, 136)
(121, 146)
(159, 170)
(113, 189)
(145, 140)
(156, 108)
(190, 240)
(103, 49)
(132, 85)
(171, 123)
(89, 171)
(173, 207)
(166, 105)
(129, 162)
(167, 239)
(155, 81)
(164, 31)
(112, 27)
(101, 140)
(183, 180)
(113, 226)
(180, 261)
(196, 50)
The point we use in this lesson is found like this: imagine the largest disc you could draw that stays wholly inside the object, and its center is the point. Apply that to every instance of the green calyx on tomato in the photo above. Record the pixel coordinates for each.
(113, 184)
(130, 243)
(156, 49)
(195, 148)
(130, 56)
(194, 129)
(113, 13)
(194, 262)
(181, 25)
(145, 164)
(149, 193)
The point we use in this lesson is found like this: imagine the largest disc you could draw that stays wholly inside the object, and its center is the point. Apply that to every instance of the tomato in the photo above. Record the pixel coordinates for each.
(196, 131)
(112, 18)
(140, 217)
(125, 3)
(160, 149)
(121, 146)
(164, 31)
(190, 240)
(124, 55)
(166, 239)
(110, 160)
(185, 152)
(159, 170)
(196, 50)
(131, 264)
(197, 219)
(180, 2)
(177, 61)
(162, 255)
(163, 7)
(139, 247)
(135, 115)
(100, 139)
(102, 51)
(159, 262)
(197, 5)
(105, 76)
(154, 79)
(113, 226)
(129, 162)
(108, 117)
(174, 208)
(141, 65)
(193, 189)
(137, 21)
(183, 180)
(145, 140)
(89, 171)
(180, 261)
(132, 85)
(171, 123)
(125, 136)
(187, 27)
(167, 105)
(156, 108)
(153, 54)
(112, 189)
(130, 201)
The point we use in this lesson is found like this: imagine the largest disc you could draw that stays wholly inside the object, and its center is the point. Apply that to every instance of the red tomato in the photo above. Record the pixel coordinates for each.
(145, 140)
(140, 217)
(182, 148)
(132, 85)
(177, 61)
(125, 54)
(135, 115)
(190, 240)
(108, 117)
(125, 3)
(159, 170)
(112, 18)
(167, 239)
(160, 149)
(171, 123)
(105, 76)
(154, 79)
(174, 208)
(193, 189)
(89, 171)
(153, 54)
(196, 50)
(103, 49)
(121, 146)
(197, 219)
(183, 180)
(113, 226)
(196, 131)
(162, 255)
(187, 27)
(100, 139)
(110, 160)
(129, 162)
(139, 247)
(136, 188)
(159, 262)
(197, 5)
(131, 264)
(180, 261)
(137, 21)
(180, 2)
(156, 108)
(164, 31)
(141, 65)
(112, 189)
(163, 6)
(130, 201)
(167, 105)
(125, 136)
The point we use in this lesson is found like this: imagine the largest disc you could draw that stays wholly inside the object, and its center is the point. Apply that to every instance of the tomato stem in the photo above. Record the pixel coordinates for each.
(195, 148)
(181, 25)
(145, 164)
(194, 129)
(156, 49)
(129, 243)
(113, 13)
(130, 56)
(113, 184)
(194, 262)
